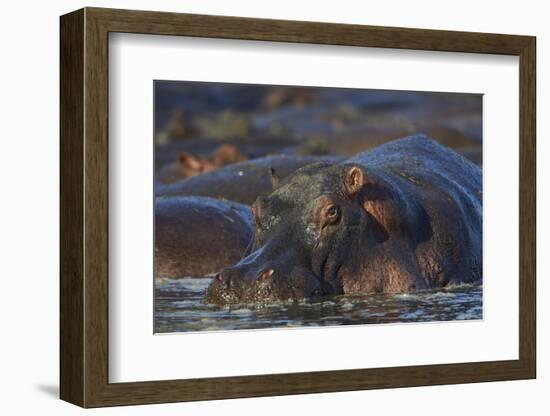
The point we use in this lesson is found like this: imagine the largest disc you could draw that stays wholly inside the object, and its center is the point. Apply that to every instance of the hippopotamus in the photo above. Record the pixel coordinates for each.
(188, 164)
(241, 182)
(196, 236)
(403, 217)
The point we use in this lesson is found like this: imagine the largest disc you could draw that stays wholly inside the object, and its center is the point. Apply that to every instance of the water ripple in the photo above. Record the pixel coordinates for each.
(179, 308)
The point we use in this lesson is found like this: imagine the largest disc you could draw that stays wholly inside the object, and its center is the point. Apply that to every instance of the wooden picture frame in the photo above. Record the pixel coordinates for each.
(84, 207)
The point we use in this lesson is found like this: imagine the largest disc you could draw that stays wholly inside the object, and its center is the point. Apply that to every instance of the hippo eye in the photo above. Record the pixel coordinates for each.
(332, 212)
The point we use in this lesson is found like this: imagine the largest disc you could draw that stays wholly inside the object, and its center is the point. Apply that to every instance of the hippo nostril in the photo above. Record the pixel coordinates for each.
(266, 275)
(223, 279)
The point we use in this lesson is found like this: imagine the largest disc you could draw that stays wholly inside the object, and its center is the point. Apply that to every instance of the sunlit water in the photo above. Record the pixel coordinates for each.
(179, 308)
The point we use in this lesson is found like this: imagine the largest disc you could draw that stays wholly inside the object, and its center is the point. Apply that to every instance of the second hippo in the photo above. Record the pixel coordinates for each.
(195, 236)
(241, 182)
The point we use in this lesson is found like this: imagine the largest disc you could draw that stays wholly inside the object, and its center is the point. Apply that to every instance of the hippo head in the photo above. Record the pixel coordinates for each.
(306, 230)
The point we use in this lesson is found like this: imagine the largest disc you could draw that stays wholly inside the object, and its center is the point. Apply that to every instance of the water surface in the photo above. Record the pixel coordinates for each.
(179, 308)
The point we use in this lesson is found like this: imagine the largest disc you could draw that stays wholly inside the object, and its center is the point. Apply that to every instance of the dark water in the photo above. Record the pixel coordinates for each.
(179, 308)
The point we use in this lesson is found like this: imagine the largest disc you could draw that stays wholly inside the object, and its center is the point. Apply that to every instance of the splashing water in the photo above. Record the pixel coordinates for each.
(179, 307)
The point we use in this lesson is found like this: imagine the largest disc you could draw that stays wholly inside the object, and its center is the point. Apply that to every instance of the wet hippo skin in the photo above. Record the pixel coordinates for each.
(405, 216)
(195, 236)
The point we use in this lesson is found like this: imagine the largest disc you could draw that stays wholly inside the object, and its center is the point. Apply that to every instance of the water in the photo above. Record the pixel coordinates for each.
(179, 308)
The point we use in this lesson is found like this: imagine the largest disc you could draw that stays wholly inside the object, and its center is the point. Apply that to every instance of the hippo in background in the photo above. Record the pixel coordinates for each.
(403, 217)
(188, 164)
(241, 182)
(195, 236)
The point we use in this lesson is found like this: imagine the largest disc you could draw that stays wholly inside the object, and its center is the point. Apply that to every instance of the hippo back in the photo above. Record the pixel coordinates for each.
(422, 156)
(446, 193)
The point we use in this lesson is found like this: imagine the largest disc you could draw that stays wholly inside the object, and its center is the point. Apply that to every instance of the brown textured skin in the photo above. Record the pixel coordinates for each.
(448, 214)
(196, 236)
(396, 265)
(405, 216)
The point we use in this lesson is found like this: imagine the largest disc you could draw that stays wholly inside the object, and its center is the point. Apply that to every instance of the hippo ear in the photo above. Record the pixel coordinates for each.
(274, 177)
(189, 161)
(354, 179)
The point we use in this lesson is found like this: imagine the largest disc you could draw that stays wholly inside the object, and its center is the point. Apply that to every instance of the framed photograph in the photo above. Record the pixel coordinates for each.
(260, 207)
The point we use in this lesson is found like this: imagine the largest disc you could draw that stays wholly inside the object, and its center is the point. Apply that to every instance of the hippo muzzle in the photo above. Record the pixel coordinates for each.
(262, 277)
